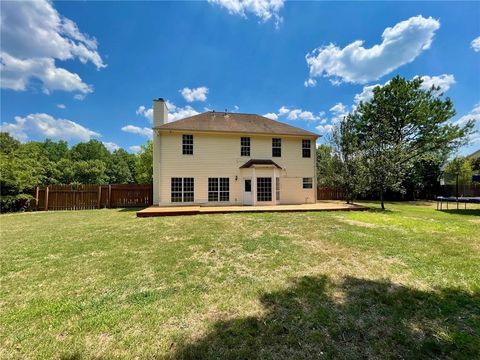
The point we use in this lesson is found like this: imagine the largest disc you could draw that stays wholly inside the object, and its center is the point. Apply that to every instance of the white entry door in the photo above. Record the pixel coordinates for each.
(247, 191)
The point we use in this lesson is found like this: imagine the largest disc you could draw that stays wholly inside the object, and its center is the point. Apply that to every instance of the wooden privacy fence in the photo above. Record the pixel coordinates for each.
(330, 194)
(81, 197)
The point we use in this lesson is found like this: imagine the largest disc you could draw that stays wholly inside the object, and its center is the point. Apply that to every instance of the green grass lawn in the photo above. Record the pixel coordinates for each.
(403, 283)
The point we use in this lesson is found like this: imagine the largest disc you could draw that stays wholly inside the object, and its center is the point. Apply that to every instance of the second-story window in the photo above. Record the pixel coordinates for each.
(276, 147)
(306, 148)
(245, 146)
(187, 144)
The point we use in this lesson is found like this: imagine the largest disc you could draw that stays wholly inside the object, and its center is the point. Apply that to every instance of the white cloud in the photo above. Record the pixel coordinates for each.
(474, 115)
(180, 113)
(61, 106)
(236, 108)
(170, 106)
(354, 63)
(366, 94)
(476, 44)
(148, 113)
(339, 111)
(135, 148)
(17, 73)
(338, 108)
(174, 112)
(321, 117)
(47, 126)
(34, 35)
(302, 115)
(198, 94)
(272, 116)
(444, 81)
(264, 9)
(79, 97)
(324, 129)
(110, 146)
(310, 82)
(147, 132)
(295, 114)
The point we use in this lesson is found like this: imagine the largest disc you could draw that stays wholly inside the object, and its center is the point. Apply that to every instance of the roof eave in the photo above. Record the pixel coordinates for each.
(160, 128)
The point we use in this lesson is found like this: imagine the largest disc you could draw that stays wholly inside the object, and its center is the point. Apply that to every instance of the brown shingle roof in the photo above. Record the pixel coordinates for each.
(234, 123)
(253, 162)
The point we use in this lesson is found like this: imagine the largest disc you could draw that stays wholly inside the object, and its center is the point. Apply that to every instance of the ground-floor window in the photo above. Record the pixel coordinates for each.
(218, 189)
(307, 183)
(264, 189)
(182, 189)
(277, 189)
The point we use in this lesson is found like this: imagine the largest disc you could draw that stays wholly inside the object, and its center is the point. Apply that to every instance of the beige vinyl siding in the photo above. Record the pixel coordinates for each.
(218, 155)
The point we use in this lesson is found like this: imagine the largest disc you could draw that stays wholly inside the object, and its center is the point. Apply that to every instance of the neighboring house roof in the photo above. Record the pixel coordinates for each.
(253, 162)
(474, 155)
(212, 121)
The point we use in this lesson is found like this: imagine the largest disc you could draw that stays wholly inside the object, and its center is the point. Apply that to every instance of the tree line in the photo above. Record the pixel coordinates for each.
(24, 166)
(397, 142)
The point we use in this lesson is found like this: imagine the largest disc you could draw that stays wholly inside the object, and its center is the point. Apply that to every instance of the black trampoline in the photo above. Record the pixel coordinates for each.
(458, 200)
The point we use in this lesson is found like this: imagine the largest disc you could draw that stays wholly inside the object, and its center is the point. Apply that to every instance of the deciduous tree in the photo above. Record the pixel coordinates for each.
(398, 125)
(144, 164)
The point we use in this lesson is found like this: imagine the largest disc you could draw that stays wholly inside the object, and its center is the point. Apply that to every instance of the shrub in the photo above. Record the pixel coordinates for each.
(20, 202)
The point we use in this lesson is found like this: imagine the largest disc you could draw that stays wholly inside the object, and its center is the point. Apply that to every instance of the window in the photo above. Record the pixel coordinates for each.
(264, 189)
(245, 146)
(212, 189)
(276, 147)
(218, 189)
(307, 183)
(277, 188)
(187, 144)
(248, 185)
(182, 189)
(306, 146)
(188, 190)
(224, 189)
(176, 190)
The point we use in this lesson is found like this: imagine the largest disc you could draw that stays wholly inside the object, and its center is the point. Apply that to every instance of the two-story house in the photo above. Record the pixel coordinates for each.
(220, 158)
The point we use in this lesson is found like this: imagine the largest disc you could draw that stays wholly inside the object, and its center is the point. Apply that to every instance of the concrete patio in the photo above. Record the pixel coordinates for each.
(197, 210)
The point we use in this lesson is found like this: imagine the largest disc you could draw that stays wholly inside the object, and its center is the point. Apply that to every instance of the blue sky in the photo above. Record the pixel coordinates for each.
(80, 70)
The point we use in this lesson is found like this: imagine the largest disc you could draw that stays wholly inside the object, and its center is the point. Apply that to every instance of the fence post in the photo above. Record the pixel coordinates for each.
(46, 199)
(99, 196)
(36, 199)
(74, 199)
(109, 196)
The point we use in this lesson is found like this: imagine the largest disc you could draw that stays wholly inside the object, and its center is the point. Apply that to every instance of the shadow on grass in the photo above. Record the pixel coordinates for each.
(135, 209)
(377, 210)
(461, 211)
(356, 318)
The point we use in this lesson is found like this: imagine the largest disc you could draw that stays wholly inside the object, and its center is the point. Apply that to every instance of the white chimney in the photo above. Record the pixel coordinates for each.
(160, 112)
(160, 116)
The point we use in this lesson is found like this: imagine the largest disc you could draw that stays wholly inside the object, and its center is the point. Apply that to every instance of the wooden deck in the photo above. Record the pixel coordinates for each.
(198, 210)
